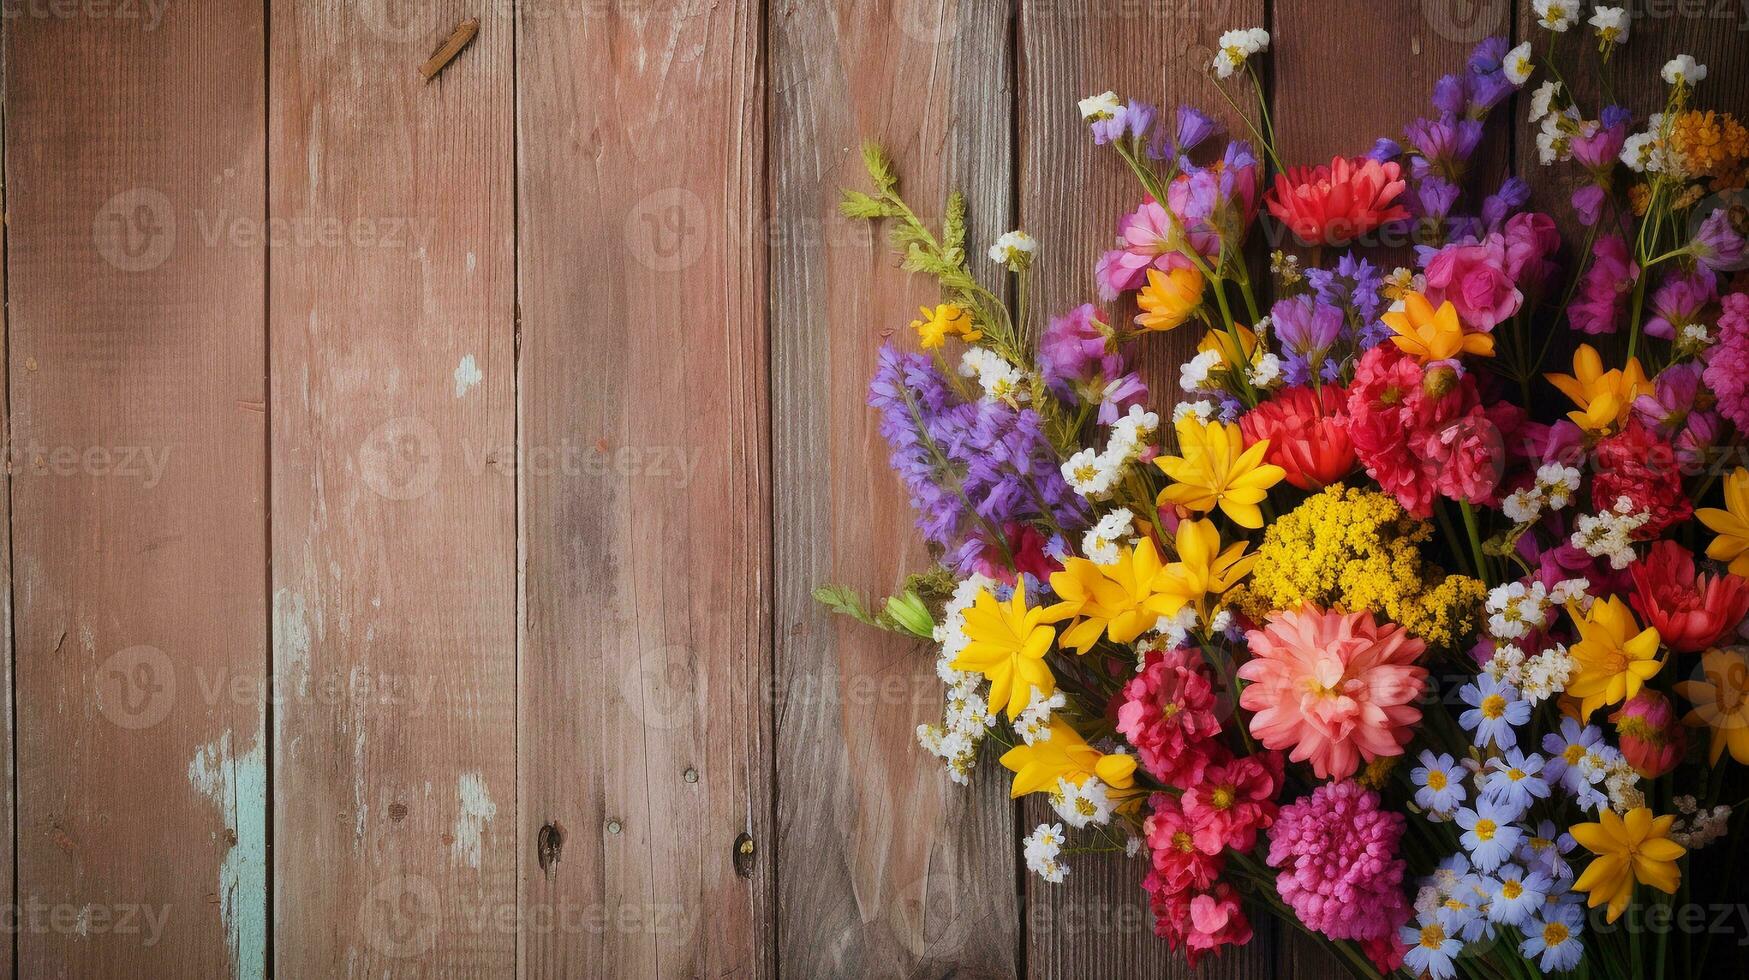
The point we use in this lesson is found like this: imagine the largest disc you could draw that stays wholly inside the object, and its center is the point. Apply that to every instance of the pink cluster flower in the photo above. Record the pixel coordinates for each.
(1727, 369)
(1168, 714)
(1336, 852)
(1423, 433)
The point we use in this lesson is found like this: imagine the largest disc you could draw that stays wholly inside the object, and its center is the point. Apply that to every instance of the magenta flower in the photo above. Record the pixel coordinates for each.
(1679, 302)
(1473, 277)
(1339, 869)
(1604, 290)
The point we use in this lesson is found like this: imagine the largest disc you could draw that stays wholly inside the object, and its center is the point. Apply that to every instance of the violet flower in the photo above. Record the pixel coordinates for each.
(1679, 301)
(1718, 245)
(1603, 292)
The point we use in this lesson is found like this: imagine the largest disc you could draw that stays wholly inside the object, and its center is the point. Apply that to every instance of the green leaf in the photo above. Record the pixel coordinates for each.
(843, 600)
(856, 204)
(953, 227)
(880, 169)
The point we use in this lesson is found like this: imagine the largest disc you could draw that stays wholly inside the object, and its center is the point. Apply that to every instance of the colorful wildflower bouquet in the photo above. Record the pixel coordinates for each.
(1385, 629)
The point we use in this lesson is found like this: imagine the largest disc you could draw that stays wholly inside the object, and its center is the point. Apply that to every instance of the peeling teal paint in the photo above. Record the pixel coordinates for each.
(238, 786)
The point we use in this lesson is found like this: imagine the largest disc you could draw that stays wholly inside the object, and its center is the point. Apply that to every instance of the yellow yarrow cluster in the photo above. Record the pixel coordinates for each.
(1357, 549)
(1711, 144)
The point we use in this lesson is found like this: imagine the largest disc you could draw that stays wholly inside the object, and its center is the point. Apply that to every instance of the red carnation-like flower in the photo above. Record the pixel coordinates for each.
(1307, 433)
(1234, 801)
(1423, 433)
(1336, 204)
(1637, 464)
(1168, 714)
(1691, 612)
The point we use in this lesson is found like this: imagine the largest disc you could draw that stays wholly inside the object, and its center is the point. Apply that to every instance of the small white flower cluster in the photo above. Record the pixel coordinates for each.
(1100, 543)
(1697, 827)
(1580, 760)
(1034, 723)
(1683, 70)
(1650, 152)
(1201, 410)
(1516, 609)
(955, 741)
(1555, 487)
(1694, 340)
(1556, 15)
(1079, 806)
(1554, 138)
(1102, 106)
(1537, 677)
(1093, 474)
(1194, 374)
(1542, 100)
(1266, 373)
(1043, 846)
(1235, 47)
(1612, 24)
(1610, 534)
(1001, 380)
(1517, 65)
(1014, 249)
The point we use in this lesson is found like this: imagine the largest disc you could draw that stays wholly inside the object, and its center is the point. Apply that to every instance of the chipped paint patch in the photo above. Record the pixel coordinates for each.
(467, 375)
(291, 638)
(237, 785)
(477, 810)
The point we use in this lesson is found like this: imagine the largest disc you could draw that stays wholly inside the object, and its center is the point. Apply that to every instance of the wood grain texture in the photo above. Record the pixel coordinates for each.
(887, 867)
(136, 342)
(8, 462)
(394, 509)
(645, 720)
(1097, 923)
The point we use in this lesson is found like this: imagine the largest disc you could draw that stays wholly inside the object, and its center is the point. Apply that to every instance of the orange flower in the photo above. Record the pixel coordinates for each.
(1169, 298)
(1430, 335)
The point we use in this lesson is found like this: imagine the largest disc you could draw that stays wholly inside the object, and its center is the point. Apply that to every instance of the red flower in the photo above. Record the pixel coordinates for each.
(1168, 714)
(1422, 433)
(1652, 736)
(1334, 205)
(1637, 464)
(1307, 433)
(1215, 921)
(1234, 801)
(1179, 865)
(1690, 612)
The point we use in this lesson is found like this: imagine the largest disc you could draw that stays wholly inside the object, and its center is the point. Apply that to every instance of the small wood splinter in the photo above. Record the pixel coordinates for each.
(458, 39)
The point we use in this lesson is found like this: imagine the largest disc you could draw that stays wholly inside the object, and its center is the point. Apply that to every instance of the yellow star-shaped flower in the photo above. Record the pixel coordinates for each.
(1428, 335)
(1065, 755)
(1214, 469)
(1007, 642)
(1731, 524)
(1614, 656)
(1202, 570)
(1632, 847)
(1604, 397)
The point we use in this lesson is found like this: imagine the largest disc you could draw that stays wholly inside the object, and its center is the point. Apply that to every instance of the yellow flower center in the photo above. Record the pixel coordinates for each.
(1436, 780)
(1432, 935)
(1555, 933)
(1222, 798)
(1511, 890)
(1573, 754)
(1085, 473)
(1085, 807)
(1182, 841)
(1541, 843)
(1171, 710)
(1485, 829)
(1493, 706)
(1515, 774)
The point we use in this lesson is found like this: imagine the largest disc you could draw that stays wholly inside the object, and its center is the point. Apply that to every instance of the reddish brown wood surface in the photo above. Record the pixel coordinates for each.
(394, 507)
(138, 517)
(645, 719)
(887, 868)
(509, 418)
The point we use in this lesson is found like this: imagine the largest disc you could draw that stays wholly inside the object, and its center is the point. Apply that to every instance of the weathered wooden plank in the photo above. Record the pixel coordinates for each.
(888, 869)
(133, 150)
(8, 461)
(645, 725)
(393, 501)
(1097, 923)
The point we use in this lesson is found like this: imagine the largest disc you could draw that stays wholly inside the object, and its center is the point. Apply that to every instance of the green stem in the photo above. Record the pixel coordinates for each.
(1471, 527)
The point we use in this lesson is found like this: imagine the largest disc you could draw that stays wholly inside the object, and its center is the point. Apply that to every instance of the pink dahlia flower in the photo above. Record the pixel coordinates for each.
(1337, 689)
(1336, 852)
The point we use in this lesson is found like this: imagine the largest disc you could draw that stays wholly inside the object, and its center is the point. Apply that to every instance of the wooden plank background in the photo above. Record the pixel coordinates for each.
(414, 488)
